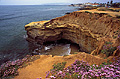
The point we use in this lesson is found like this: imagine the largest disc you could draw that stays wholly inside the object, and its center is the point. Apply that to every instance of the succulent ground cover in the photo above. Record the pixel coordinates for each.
(10, 68)
(82, 70)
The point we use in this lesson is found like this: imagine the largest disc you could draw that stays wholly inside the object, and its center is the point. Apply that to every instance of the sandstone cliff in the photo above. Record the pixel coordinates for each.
(89, 30)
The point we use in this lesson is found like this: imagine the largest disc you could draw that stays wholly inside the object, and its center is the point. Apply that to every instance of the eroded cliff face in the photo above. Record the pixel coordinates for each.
(86, 29)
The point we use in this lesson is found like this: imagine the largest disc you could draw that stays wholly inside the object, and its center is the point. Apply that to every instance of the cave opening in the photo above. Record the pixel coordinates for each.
(60, 48)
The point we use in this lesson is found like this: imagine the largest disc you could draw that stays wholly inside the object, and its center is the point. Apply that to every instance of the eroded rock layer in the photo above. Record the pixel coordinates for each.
(85, 29)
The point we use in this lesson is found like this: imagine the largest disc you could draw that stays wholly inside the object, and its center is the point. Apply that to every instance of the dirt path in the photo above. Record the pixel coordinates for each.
(38, 68)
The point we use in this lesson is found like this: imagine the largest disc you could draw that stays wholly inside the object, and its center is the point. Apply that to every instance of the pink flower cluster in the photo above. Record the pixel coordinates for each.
(82, 70)
(10, 68)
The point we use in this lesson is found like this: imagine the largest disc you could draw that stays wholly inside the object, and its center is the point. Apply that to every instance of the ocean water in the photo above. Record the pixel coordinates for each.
(13, 18)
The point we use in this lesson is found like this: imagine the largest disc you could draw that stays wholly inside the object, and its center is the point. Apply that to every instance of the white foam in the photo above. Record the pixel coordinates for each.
(68, 52)
(25, 36)
(46, 48)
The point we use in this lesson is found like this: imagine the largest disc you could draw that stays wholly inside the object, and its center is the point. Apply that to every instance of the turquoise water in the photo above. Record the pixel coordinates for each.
(13, 44)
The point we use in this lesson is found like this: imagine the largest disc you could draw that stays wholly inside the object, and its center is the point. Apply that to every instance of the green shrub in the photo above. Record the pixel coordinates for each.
(75, 52)
(88, 12)
(59, 66)
(108, 49)
(108, 42)
(114, 37)
(103, 13)
(96, 12)
(113, 10)
(65, 55)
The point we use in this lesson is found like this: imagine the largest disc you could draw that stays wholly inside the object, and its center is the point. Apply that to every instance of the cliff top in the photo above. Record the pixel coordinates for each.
(111, 11)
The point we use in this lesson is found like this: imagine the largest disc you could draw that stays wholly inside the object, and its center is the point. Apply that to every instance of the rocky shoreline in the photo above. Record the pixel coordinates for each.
(97, 33)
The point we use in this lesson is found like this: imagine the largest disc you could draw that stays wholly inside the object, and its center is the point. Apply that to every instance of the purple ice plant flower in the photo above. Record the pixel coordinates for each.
(60, 72)
(86, 71)
(10, 68)
(13, 63)
(117, 72)
(118, 47)
(52, 77)
(119, 35)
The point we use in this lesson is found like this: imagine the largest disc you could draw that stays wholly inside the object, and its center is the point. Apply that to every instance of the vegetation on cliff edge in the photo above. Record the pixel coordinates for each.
(82, 70)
